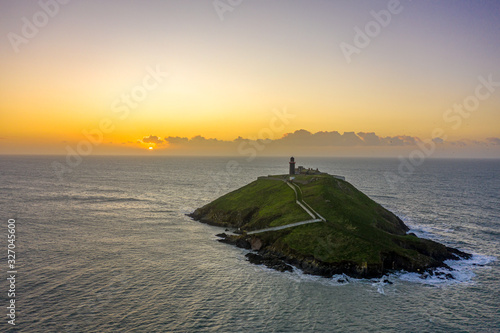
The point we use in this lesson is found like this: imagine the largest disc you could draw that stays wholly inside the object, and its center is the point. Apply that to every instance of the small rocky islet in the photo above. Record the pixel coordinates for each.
(322, 225)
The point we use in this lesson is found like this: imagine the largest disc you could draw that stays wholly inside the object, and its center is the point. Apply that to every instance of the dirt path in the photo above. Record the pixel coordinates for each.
(298, 199)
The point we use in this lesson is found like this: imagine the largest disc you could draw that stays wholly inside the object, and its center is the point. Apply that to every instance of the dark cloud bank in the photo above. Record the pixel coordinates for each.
(305, 142)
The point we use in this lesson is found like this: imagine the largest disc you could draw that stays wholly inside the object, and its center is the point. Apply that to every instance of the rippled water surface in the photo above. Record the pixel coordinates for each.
(109, 249)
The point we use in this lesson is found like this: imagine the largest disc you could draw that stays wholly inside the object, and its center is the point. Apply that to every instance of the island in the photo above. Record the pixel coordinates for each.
(321, 224)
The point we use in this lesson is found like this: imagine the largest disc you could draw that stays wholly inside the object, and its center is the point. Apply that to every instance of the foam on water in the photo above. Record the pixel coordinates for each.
(89, 264)
(381, 283)
(337, 280)
(462, 271)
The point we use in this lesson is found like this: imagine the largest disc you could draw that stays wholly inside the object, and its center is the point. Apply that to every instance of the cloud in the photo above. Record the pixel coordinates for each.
(305, 141)
(196, 140)
(349, 139)
(493, 141)
(460, 143)
(306, 138)
(470, 143)
(176, 140)
(370, 139)
(201, 140)
(152, 139)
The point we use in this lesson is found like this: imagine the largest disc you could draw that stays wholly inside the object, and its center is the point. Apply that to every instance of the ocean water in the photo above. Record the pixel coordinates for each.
(109, 249)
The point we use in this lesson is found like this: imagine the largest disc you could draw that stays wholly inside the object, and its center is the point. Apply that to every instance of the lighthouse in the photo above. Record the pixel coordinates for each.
(292, 166)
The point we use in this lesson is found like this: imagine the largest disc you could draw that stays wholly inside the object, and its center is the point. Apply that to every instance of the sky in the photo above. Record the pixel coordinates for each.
(335, 78)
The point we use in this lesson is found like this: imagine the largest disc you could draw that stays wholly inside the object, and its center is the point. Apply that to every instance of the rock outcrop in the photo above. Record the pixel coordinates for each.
(360, 238)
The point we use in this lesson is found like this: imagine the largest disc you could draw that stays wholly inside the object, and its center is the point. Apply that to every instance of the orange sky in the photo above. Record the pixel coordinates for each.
(225, 78)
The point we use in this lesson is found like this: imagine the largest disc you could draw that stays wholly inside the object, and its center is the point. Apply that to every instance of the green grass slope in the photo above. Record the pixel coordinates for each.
(260, 204)
(360, 237)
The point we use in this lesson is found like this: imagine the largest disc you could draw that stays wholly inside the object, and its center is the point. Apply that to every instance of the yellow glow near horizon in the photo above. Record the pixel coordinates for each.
(225, 79)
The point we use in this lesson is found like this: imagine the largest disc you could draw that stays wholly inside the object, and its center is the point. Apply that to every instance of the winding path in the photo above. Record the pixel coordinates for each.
(291, 225)
(299, 200)
(314, 214)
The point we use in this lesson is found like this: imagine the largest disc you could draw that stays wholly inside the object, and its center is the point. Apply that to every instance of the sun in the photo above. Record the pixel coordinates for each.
(150, 148)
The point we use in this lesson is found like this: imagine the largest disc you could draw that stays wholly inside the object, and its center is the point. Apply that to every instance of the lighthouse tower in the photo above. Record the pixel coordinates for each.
(292, 166)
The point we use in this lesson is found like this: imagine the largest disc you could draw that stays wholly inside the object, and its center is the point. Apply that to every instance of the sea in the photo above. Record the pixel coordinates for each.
(107, 247)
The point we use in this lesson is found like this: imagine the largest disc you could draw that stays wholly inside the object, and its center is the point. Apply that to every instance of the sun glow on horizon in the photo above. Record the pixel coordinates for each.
(195, 76)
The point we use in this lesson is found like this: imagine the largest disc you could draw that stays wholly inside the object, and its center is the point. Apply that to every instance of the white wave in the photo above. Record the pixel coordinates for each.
(462, 272)
(380, 289)
(383, 281)
(340, 280)
(297, 275)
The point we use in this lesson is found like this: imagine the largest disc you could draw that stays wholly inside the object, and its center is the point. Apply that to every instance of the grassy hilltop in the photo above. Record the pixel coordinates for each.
(359, 237)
